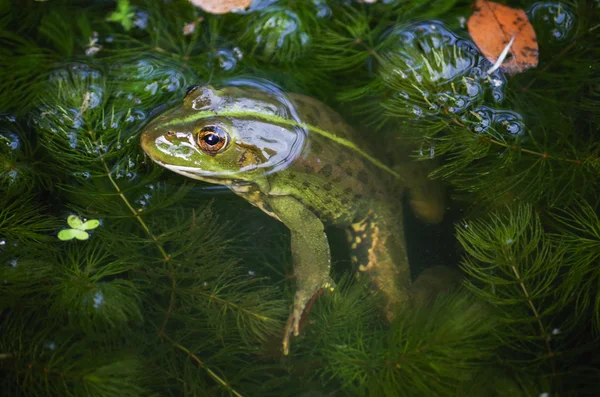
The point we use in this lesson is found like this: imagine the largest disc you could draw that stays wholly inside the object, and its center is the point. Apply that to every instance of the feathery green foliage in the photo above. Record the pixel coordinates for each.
(176, 293)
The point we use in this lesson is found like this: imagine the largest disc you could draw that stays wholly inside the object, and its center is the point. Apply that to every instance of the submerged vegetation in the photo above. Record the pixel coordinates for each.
(173, 293)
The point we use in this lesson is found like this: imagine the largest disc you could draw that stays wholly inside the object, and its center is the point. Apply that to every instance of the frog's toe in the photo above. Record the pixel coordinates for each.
(302, 304)
(287, 333)
(292, 326)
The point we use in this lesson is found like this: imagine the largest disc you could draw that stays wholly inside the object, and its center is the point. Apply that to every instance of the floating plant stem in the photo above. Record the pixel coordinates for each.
(537, 316)
(201, 364)
(165, 255)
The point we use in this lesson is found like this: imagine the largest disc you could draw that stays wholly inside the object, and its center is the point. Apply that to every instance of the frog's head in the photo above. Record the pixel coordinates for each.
(229, 135)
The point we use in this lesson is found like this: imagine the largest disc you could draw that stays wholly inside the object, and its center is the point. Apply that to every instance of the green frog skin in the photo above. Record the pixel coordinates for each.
(281, 153)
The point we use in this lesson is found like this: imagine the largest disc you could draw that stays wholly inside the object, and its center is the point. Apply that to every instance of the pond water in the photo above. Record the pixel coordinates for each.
(298, 198)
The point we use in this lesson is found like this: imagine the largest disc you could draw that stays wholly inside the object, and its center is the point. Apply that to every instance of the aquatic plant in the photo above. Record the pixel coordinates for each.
(174, 293)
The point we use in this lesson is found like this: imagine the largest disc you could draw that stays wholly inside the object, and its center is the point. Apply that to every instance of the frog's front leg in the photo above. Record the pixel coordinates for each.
(310, 252)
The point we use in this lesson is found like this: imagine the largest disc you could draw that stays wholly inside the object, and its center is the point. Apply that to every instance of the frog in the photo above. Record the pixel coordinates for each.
(297, 160)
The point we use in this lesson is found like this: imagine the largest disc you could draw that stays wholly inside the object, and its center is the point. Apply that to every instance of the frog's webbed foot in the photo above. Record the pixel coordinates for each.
(310, 252)
(302, 304)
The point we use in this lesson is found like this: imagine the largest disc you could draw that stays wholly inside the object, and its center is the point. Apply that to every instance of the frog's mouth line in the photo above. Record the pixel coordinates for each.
(195, 173)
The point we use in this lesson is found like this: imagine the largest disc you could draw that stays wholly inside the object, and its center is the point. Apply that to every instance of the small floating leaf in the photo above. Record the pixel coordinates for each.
(123, 15)
(74, 221)
(493, 26)
(89, 225)
(69, 234)
(79, 228)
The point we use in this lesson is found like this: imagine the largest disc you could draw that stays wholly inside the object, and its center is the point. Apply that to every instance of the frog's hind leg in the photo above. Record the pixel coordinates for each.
(379, 252)
(310, 252)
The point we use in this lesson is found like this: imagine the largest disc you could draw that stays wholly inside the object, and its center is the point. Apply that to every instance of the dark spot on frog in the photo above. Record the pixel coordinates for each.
(337, 179)
(345, 201)
(305, 184)
(362, 176)
(326, 170)
(327, 201)
(242, 159)
(348, 190)
(358, 196)
(327, 187)
(292, 175)
(308, 169)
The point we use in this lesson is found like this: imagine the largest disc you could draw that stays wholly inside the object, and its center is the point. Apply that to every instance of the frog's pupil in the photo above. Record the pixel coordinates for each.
(211, 139)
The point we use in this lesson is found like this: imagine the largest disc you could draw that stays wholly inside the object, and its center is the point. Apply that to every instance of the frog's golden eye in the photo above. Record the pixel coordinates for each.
(212, 139)
(191, 89)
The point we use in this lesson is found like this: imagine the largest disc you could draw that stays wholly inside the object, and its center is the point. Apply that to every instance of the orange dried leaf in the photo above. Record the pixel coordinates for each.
(492, 26)
(221, 6)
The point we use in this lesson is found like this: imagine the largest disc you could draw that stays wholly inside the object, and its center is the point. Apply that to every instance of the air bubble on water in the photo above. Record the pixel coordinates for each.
(251, 273)
(2, 243)
(417, 111)
(144, 68)
(483, 120)
(93, 97)
(323, 9)
(13, 176)
(509, 121)
(82, 175)
(448, 56)
(473, 88)
(509, 241)
(11, 140)
(50, 345)
(98, 299)
(554, 17)
(125, 169)
(145, 198)
(72, 137)
(11, 118)
(432, 152)
(556, 331)
(238, 53)
(226, 59)
(140, 20)
(498, 95)
(506, 122)
(152, 88)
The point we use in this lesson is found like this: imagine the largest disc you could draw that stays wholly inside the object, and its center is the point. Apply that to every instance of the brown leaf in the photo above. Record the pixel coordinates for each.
(221, 6)
(492, 26)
